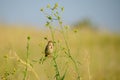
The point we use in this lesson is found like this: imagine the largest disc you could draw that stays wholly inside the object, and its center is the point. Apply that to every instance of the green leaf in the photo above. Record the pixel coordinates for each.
(55, 6)
(47, 24)
(58, 17)
(55, 15)
(48, 6)
(31, 65)
(57, 12)
(42, 9)
(45, 38)
(41, 60)
(62, 9)
(28, 38)
(49, 17)
(63, 77)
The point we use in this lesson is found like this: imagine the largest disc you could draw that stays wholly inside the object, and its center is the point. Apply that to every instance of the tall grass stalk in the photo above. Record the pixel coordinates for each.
(27, 58)
(57, 75)
(68, 49)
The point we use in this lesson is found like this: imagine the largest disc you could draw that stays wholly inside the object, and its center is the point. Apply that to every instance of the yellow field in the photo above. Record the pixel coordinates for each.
(97, 54)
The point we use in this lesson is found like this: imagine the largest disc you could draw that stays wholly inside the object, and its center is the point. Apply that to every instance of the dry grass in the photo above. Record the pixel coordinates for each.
(98, 54)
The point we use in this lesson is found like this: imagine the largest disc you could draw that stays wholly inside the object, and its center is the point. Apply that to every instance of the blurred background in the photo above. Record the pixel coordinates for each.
(104, 13)
(93, 36)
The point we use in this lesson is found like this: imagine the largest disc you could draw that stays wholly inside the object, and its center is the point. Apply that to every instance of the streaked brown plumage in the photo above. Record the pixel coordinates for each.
(49, 48)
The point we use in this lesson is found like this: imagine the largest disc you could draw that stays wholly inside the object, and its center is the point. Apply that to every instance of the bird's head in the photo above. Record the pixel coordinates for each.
(50, 43)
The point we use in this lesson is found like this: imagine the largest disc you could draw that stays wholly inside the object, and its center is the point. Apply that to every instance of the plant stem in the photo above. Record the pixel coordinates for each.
(26, 69)
(68, 49)
(28, 66)
(56, 69)
(54, 58)
(52, 34)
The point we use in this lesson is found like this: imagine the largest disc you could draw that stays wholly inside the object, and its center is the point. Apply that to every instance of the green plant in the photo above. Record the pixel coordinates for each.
(27, 59)
(54, 15)
(51, 18)
(7, 75)
(25, 64)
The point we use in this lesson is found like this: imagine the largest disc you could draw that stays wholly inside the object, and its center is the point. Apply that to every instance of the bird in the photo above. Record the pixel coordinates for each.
(49, 48)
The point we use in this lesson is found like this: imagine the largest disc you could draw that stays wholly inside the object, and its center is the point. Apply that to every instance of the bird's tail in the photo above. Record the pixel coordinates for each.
(46, 55)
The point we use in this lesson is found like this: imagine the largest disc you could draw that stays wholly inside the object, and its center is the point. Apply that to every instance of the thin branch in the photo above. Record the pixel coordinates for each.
(26, 64)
